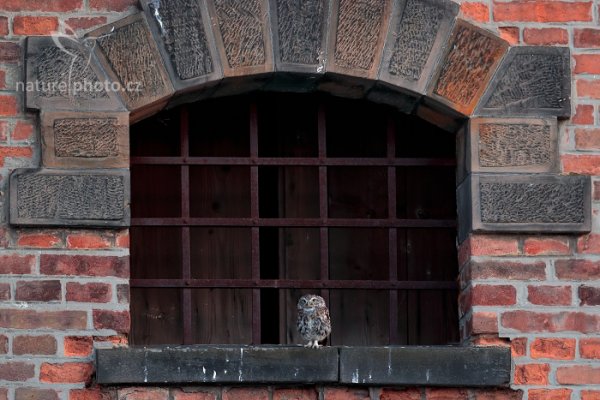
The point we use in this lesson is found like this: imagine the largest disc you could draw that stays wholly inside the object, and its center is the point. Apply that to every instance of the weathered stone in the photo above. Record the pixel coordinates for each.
(59, 198)
(471, 59)
(425, 365)
(129, 54)
(217, 364)
(401, 100)
(358, 30)
(513, 145)
(524, 203)
(93, 140)
(531, 81)
(299, 34)
(242, 35)
(185, 40)
(418, 32)
(64, 74)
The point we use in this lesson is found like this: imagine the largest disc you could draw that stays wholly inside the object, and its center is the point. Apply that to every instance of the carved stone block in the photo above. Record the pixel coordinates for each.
(402, 100)
(185, 39)
(416, 39)
(524, 203)
(299, 35)
(63, 74)
(129, 54)
(357, 34)
(69, 198)
(513, 145)
(531, 81)
(471, 59)
(86, 140)
(242, 35)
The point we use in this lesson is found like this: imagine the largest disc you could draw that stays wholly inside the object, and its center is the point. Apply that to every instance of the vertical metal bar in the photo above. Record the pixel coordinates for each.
(254, 214)
(185, 230)
(393, 232)
(323, 196)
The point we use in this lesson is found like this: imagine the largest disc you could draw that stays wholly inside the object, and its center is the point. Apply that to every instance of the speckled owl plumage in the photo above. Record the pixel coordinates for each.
(313, 321)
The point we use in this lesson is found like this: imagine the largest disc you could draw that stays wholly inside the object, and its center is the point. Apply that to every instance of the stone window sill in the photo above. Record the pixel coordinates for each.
(455, 366)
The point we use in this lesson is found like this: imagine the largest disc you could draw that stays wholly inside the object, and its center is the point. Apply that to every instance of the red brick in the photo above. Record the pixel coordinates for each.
(549, 295)
(400, 394)
(89, 292)
(584, 115)
(295, 394)
(7, 152)
(590, 395)
(589, 295)
(32, 319)
(531, 374)
(16, 371)
(78, 346)
(494, 295)
(508, 270)
(143, 394)
(597, 190)
(4, 291)
(40, 5)
(549, 394)
(589, 348)
(123, 294)
(545, 36)
(179, 394)
(116, 340)
(554, 348)
(494, 246)
(587, 139)
(38, 291)
(589, 244)
(577, 270)
(35, 394)
(29, 25)
(588, 88)
(479, 12)
(23, 131)
(545, 246)
(26, 344)
(518, 347)
(92, 394)
(446, 394)
(9, 52)
(530, 322)
(484, 322)
(39, 240)
(122, 239)
(542, 11)
(500, 394)
(87, 241)
(587, 63)
(586, 38)
(3, 26)
(8, 106)
(3, 394)
(55, 264)
(76, 372)
(578, 375)
(84, 23)
(3, 124)
(112, 5)
(3, 344)
(510, 33)
(246, 394)
(116, 320)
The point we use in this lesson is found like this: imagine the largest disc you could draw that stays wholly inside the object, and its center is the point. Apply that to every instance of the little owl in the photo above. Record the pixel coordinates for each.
(313, 319)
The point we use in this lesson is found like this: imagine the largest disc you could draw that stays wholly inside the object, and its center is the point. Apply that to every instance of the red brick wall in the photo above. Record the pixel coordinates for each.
(62, 292)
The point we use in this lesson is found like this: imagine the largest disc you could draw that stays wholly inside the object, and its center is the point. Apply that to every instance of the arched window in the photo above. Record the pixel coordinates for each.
(242, 204)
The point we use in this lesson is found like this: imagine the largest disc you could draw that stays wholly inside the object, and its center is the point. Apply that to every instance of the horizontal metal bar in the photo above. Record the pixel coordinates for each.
(292, 284)
(297, 222)
(285, 161)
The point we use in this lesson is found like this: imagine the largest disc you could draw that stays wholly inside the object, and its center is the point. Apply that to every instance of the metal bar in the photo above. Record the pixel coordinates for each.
(294, 284)
(285, 161)
(323, 199)
(185, 231)
(392, 234)
(297, 222)
(254, 213)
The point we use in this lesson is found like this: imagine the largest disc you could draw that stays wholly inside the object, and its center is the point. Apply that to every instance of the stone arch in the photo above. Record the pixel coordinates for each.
(414, 55)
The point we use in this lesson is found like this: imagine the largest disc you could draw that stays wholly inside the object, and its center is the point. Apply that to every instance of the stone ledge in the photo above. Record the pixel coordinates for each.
(394, 365)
